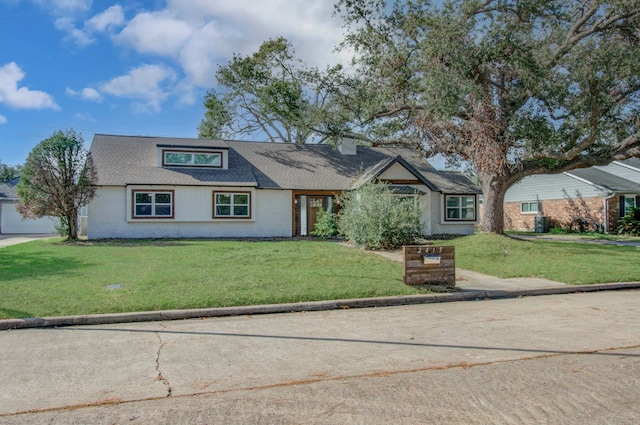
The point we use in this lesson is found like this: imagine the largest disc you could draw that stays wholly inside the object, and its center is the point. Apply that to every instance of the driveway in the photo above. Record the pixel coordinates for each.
(14, 239)
(569, 359)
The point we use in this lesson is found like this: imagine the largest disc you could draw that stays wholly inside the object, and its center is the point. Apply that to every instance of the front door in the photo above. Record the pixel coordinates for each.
(315, 204)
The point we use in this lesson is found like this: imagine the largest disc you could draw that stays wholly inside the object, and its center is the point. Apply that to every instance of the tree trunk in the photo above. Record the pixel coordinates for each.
(72, 230)
(494, 188)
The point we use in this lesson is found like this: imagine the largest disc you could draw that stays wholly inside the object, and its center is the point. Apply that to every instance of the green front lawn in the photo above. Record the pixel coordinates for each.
(48, 278)
(569, 262)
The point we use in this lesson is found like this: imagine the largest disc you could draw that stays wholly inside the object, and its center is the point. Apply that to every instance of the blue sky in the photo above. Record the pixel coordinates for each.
(134, 67)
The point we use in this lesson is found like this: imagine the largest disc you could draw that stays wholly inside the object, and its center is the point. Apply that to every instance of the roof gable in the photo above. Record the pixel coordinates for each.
(383, 166)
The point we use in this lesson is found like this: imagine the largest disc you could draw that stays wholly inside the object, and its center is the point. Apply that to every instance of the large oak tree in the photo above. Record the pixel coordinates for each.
(513, 87)
(269, 95)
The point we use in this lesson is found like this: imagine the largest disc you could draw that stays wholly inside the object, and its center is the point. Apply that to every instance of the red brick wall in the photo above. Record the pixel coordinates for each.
(566, 213)
(613, 206)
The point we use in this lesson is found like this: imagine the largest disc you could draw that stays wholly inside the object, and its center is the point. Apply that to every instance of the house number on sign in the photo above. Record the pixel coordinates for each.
(428, 250)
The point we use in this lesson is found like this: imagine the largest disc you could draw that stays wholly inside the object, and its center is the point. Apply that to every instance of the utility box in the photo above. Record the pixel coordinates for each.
(428, 265)
(542, 224)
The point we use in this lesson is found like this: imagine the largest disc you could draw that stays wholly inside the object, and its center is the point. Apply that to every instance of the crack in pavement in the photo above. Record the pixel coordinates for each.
(458, 365)
(161, 377)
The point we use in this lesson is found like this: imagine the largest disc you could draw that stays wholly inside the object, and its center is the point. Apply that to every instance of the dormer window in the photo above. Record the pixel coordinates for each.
(179, 158)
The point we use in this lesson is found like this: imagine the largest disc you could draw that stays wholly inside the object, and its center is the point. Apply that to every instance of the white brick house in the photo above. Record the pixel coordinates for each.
(151, 187)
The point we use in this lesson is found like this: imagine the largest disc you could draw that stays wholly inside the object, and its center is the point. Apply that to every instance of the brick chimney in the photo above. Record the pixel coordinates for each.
(347, 146)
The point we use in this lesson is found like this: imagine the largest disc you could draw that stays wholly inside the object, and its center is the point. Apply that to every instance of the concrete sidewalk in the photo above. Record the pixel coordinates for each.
(467, 280)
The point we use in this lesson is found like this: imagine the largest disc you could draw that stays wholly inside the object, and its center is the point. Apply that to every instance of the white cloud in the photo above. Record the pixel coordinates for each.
(143, 84)
(84, 117)
(86, 93)
(65, 6)
(155, 33)
(200, 34)
(72, 4)
(21, 97)
(3, 119)
(89, 93)
(80, 37)
(197, 36)
(110, 18)
(67, 13)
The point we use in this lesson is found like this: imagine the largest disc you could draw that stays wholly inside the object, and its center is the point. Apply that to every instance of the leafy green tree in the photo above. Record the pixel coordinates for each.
(8, 172)
(512, 87)
(373, 217)
(267, 93)
(57, 179)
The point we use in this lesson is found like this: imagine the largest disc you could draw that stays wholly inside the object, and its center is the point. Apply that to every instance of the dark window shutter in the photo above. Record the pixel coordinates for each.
(621, 208)
(638, 201)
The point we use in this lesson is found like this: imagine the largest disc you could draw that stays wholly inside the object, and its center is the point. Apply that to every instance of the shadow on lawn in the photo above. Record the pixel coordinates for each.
(7, 313)
(25, 265)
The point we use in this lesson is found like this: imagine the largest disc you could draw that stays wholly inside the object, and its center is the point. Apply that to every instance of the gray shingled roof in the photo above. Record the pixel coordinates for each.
(632, 162)
(123, 160)
(8, 189)
(606, 180)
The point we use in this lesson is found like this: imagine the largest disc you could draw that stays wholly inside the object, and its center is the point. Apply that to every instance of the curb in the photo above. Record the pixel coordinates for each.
(150, 316)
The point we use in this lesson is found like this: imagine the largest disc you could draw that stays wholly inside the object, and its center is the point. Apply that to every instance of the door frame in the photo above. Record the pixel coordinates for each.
(300, 205)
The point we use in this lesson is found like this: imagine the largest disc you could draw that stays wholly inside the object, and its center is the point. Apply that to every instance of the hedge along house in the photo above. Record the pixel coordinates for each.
(151, 187)
(592, 198)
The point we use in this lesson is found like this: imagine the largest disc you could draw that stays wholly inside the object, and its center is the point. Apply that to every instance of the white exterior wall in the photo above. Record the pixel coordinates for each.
(550, 186)
(397, 172)
(109, 215)
(12, 222)
(433, 217)
(441, 227)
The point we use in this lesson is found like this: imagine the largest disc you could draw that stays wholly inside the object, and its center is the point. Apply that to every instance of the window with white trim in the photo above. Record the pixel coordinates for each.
(152, 204)
(460, 207)
(231, 204)
(177, 158)
(529, 207)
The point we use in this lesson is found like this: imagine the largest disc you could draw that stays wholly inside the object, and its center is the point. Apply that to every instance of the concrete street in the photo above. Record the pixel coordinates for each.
(569, 359)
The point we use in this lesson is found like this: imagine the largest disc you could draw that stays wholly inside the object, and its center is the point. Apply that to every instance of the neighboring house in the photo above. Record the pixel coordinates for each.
(11, 221)
(592, 198)
(152, 187)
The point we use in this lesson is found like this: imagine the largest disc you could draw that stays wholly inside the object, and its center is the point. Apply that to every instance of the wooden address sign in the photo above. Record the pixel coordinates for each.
(429, 265)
